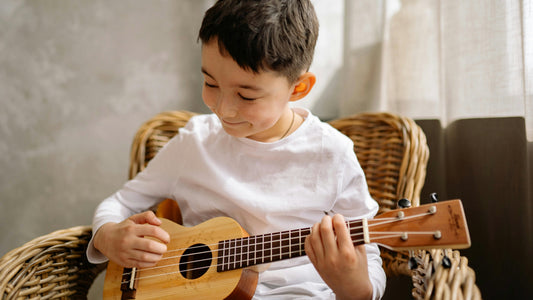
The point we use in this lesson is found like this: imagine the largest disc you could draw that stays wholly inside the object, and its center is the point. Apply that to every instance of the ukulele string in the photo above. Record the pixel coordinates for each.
(234, 263)
(371, 223)
(383, 235)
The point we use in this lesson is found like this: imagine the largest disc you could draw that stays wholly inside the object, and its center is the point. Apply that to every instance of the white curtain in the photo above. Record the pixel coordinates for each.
(439, 59)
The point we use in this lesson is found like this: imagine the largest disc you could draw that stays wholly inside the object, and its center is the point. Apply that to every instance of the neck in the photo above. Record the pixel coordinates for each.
(259, 249)
(290, 125)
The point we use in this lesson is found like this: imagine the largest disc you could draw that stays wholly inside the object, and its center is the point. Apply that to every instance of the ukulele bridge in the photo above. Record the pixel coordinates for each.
(128, 285)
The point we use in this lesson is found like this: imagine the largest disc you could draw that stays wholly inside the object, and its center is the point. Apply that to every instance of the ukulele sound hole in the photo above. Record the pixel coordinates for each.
(195, 261)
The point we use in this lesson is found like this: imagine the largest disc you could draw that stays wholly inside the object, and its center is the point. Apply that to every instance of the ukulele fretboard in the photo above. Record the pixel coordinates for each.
(259, 249)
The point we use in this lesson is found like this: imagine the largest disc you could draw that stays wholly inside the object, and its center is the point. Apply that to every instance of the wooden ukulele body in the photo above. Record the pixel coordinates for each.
(167, 281)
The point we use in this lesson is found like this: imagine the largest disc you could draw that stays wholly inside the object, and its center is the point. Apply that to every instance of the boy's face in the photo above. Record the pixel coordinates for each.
(252, 105)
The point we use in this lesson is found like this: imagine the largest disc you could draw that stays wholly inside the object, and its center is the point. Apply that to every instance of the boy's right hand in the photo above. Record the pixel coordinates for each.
(124, 242)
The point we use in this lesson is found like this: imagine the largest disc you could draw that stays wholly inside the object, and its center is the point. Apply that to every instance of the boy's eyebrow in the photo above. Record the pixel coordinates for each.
(206, 73)
(242, 86)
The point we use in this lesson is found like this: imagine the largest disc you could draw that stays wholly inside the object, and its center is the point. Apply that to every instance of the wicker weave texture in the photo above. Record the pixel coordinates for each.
(53, 266)
(433, 281)
(153, 135)
(393, 153)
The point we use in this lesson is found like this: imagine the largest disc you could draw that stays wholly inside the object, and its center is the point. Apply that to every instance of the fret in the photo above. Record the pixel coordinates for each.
(227, 251)
(226, 255)
(285, 245)
(220, 258)
(276, 246)
(259, 249)
(244, 253)
(271, 248)
(301, 242)
(231, 257)
(267, 248)
(290, 244)
(295, 243)
(238, 251)
(251, 251)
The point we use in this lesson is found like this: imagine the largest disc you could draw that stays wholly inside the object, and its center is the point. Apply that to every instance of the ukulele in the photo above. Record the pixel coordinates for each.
(216, 259)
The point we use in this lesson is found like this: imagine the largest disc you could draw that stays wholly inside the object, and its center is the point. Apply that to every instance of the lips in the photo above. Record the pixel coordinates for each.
(232, 122)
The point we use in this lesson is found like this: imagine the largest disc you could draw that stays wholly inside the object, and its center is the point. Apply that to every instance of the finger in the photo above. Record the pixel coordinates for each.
(315, 242)
(140, 253)
(145, 257)
(134, 263)
(151, 246)
(153, 231)
(146, 217)
(309, 250)
(328, 236)
(344, 239)
(139, 264)
(360, 252)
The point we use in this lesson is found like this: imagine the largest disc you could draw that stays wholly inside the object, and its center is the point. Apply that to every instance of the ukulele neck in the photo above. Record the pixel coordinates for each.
(259, 249)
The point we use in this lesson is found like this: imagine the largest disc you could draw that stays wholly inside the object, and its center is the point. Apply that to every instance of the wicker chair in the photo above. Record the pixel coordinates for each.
(52, 266)
(393, 152)
(391, 149)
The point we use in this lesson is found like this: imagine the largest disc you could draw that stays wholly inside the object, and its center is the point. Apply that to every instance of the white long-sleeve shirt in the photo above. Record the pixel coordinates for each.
(265, 187)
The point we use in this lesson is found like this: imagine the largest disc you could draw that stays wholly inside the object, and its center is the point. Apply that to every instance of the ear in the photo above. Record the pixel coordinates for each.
(303, 86)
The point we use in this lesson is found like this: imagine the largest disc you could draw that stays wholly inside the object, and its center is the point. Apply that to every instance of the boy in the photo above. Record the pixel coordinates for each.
(269, 167)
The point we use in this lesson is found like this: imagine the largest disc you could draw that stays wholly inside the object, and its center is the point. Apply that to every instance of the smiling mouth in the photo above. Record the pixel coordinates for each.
(233, 123)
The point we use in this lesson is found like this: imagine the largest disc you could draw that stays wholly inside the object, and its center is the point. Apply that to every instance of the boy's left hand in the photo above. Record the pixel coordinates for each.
(342, 266)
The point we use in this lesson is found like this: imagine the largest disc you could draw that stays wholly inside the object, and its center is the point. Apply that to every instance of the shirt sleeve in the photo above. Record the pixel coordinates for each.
(375, 270)
(355, 202)
(147, 189)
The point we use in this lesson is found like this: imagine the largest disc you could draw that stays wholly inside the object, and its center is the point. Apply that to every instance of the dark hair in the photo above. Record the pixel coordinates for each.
(279, 35)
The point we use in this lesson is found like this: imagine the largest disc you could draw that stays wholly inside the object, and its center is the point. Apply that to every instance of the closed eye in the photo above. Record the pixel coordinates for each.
(246, 98)
(209, 85)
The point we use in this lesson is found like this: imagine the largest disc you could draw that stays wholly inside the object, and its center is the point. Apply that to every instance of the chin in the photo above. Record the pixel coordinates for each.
(235, 133)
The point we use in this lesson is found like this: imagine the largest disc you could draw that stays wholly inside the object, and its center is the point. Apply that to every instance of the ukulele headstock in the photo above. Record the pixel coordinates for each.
(435, 225)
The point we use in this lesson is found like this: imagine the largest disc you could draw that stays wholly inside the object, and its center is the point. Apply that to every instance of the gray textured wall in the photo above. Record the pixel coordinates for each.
(77, 78)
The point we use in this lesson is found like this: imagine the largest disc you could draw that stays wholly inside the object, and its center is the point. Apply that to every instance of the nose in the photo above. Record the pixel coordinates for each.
(225, 106)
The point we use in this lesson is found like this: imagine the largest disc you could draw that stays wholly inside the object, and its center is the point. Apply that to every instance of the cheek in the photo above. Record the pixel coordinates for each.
(209, 97)
(261, 115)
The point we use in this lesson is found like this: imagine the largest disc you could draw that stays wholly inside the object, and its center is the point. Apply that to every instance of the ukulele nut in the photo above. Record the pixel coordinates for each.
(404, 236)
(432, 209)
(437, 235)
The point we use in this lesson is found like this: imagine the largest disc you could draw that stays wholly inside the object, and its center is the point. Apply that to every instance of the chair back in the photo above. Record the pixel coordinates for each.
(393, 153)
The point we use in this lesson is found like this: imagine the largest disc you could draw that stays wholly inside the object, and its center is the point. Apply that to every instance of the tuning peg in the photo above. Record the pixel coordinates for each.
(446, 262)
(403, 203)
(412, 264)
(434, 197)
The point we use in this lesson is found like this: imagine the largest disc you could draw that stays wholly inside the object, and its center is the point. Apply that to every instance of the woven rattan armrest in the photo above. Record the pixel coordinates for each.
(53, 266)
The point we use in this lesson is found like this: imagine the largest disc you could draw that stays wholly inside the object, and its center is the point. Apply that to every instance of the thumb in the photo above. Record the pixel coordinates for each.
(146, 217)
